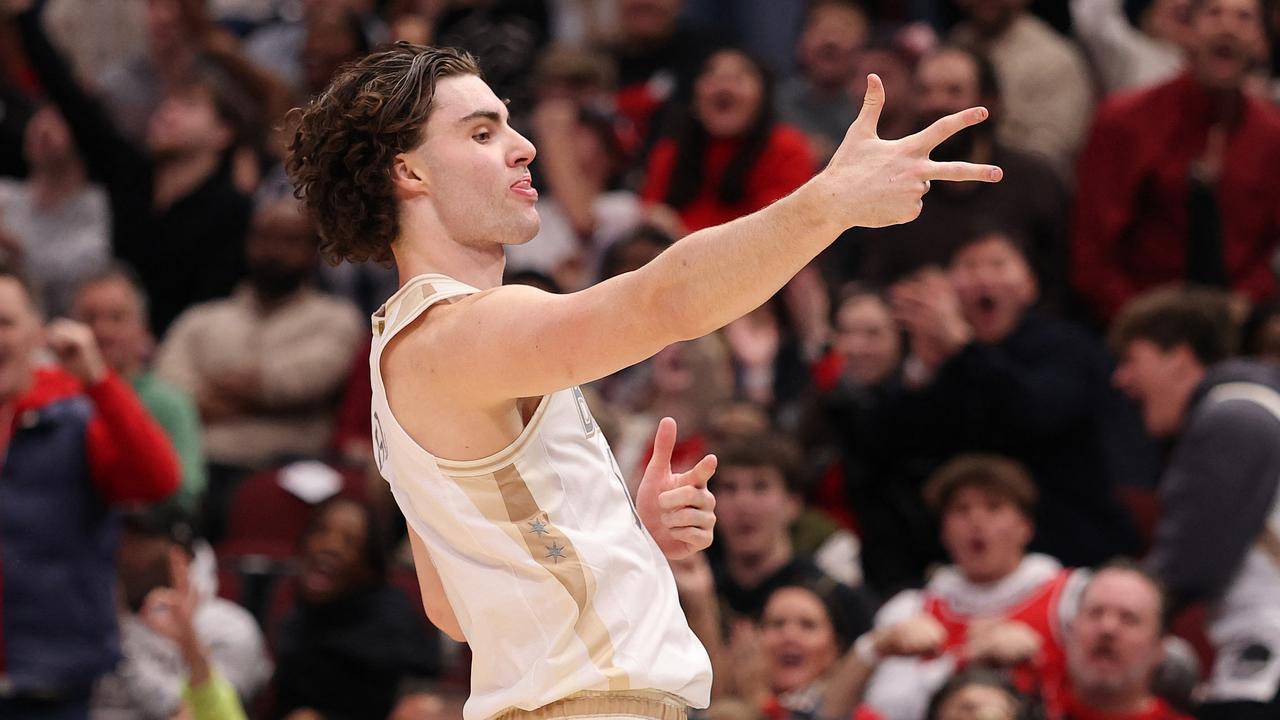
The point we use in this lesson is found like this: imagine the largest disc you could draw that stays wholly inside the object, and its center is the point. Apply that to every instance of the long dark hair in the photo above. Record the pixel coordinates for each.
(692, 139)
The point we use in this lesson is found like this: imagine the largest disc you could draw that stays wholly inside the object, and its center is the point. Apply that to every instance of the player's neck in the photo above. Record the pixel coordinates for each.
(479, 267)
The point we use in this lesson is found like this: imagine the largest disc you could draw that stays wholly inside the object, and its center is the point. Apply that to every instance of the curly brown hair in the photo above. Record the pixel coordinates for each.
(341, 153)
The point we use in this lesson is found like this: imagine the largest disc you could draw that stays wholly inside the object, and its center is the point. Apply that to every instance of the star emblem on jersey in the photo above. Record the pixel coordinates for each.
(538, 527)
(555, 551)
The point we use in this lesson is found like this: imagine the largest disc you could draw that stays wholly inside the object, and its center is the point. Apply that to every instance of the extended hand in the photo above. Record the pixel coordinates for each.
(677, 508)
(76, 349)
(919, 635)
(1002, 642)
(873, 183)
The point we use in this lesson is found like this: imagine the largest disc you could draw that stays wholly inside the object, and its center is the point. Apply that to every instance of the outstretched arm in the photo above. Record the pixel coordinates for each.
(520, 342)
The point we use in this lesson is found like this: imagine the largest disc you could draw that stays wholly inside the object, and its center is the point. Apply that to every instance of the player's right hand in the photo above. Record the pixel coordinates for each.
(874, 182)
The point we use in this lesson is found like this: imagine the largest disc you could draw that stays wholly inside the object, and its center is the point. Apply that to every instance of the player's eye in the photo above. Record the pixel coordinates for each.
(481, 136)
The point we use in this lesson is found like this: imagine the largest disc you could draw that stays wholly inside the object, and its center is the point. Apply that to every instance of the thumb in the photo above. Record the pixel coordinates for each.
(869, 117)
(664, 443)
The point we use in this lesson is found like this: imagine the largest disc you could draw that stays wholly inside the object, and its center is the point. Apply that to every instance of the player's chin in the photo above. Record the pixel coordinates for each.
(526, 228)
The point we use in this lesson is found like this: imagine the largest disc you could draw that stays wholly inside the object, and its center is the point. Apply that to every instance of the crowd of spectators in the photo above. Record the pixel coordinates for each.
(1019, 458)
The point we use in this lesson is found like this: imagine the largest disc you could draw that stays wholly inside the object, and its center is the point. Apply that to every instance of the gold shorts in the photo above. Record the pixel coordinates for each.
(601, 705)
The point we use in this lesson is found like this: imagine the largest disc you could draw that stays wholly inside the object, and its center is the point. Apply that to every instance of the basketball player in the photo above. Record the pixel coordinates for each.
(527, 543)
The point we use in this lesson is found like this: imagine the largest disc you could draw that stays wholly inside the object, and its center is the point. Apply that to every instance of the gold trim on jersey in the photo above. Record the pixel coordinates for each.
(504, 499)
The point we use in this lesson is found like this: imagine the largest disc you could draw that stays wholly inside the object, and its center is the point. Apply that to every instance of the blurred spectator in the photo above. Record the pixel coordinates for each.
(770, 356)
(505, 36)
(757, 501)
(767, 29)
(730, 157)
(1132, 57)
(1181, 182)
(581, 158)
(76, 443)
(684, 381)
(98, 37)
(333, 36)
(60, 220)
(350, 639)
(817, 100)
(176, 214)
(998, 605)
(1114, 648)
(1047, 95)
(15, 113)
(283, 46)
(265, 365)
(156, 552)
(113, 304)
(895, 67)
(978, 694)
(1218, 538)
(989, 374)
(176, 32)
(883, 470)
(657, 60)
(1262, 332)
(1031, 202)
(170, 612)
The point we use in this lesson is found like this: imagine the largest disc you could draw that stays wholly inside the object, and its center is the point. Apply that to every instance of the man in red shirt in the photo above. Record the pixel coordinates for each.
(74, 441)
(1114, 648)
(1181, 182)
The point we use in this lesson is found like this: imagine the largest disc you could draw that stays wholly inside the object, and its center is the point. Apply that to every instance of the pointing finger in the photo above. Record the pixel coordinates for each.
(961, 171)
(937, 133)
(700, 474)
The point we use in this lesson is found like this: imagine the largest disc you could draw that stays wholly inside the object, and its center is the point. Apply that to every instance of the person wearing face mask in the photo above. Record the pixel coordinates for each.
(1033, 203)
(265, 365)
(730, 157)
(996, 605)
(986, 373)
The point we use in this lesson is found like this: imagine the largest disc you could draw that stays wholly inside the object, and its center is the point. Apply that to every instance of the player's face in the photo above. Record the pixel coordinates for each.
(477, 167)
(113, 312)
(19, 337)
(868, 339)
(1149, 375)
(754, 511)
(1115, 639)
(798, 639)
(995, 287)
(1227, 38)
(729, 94)
(985, 534)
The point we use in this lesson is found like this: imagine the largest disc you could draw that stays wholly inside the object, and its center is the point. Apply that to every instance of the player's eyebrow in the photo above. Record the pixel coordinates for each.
(490, 115)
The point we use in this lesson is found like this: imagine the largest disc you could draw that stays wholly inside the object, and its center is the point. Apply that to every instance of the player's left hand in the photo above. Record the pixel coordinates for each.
(677, 508)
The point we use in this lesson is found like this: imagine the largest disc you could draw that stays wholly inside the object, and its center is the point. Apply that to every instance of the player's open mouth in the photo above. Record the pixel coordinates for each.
(524, 186)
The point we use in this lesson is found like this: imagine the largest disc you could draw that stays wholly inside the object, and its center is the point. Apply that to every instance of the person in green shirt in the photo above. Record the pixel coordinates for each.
(113, 303)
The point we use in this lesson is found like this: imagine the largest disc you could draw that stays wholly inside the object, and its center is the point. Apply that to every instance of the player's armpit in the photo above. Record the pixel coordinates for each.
(439, 611)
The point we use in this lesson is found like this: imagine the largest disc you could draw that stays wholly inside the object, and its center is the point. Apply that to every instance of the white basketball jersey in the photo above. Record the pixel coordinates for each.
(554, 580)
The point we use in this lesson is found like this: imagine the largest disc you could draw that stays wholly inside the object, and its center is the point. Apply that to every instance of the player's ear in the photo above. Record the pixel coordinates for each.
(407, 175)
